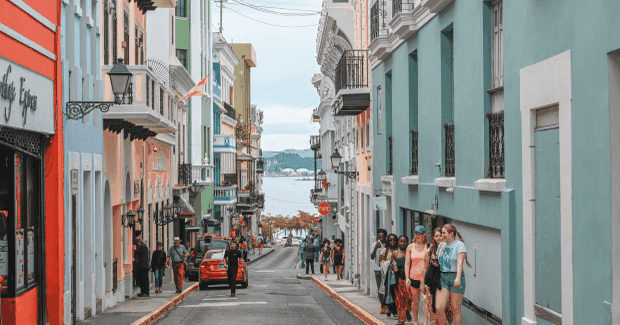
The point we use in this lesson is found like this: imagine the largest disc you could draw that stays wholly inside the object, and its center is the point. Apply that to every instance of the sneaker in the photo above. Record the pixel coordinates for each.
(408, 316)
(232, 294)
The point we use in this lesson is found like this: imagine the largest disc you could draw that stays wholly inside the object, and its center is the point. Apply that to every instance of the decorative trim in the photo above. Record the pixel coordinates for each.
(490, 185)
(34, 14)
(411, 180)
(26, 41)
(445, 182)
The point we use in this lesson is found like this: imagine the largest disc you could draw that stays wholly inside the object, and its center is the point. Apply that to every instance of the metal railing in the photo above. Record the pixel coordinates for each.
(352, 70)
(230, 111)
(185, 174)
(414, 152)
(114, 275)
(449, 150)
(315, 142)
(374, 21)
(397, 6)
(390, 170)
(496, 145)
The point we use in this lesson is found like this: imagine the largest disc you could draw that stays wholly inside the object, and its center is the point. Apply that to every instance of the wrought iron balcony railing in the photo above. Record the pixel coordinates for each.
(496, 145)
(390, 170)
(230, 111)
(449, 150)
(377, 19)
(414, 152)
(185, 174)
(397, 6)
(352, 70)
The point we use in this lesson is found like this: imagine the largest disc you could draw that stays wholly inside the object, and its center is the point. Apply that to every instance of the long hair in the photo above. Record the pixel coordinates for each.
(451, 229)
(433, 242)
(424, 240)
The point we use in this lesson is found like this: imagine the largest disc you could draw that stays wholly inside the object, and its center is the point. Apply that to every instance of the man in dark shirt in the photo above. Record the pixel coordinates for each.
(310, 250)
(142, 264)
(231, 258)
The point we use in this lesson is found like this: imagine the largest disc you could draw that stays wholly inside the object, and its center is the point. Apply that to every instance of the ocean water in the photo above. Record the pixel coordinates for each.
(287, 195)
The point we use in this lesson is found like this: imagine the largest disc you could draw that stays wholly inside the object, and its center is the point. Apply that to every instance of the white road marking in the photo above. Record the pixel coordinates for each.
(226, 304)
(265, 271)
(220, 299)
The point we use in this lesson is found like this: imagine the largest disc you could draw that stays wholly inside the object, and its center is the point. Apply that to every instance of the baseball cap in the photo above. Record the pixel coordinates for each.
(420, 229)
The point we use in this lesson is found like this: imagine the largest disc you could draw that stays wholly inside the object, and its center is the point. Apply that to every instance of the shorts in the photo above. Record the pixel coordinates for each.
(415, 283)
(338, 262)
(260, 245)
(447, 282)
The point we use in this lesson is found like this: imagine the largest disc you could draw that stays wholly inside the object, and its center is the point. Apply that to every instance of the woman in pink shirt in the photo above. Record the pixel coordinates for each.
(415, 268)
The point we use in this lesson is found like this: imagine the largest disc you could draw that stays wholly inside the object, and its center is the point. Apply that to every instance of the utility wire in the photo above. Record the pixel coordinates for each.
(262, 22)
(266, 9)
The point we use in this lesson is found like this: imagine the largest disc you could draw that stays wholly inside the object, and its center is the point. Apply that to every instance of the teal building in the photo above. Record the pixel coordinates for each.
(508, 136)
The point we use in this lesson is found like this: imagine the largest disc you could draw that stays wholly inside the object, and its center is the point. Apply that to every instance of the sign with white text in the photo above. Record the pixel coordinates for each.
(379, 202)
(75, 182)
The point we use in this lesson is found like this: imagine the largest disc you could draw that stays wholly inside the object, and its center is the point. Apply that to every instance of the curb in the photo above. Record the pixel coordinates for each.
(160, 311)
(354, 309)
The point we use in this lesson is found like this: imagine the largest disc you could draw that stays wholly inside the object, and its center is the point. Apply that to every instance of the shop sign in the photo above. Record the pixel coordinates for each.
(26, 98)
(75, 184)
(380, 203)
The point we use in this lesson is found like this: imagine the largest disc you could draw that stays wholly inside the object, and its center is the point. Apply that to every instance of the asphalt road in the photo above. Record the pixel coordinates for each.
(274, 296)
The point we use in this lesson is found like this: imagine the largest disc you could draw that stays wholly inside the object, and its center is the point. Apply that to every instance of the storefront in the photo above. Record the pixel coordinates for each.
(31, 167)
(429, 219)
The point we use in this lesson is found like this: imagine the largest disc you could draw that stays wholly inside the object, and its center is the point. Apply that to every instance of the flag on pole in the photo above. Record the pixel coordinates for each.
(198, 90)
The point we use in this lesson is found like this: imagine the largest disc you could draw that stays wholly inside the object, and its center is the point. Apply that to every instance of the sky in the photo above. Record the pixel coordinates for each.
(286, 62)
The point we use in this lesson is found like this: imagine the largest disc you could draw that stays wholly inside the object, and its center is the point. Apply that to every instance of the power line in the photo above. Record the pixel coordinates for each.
(267, 9)
(262, 22)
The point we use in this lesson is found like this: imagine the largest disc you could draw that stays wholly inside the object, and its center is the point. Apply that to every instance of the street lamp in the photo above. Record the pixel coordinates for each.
(140, 214)
(129, 219)
(336, 160)
(120, 80)
(322, 175)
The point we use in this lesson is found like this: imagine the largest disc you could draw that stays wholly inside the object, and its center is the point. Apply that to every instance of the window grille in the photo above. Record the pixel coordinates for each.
(137, 46)
(126, 38)
(414, 152)
(114, 38)
(449, 150)
(161, 101)
(181, 8)
(496, 144)
(148, 90)
(390, 170)
(153, 94)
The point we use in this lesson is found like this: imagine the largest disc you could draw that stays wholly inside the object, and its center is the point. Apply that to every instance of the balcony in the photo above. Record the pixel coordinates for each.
(406, 18)
(202, 174)
(315, 142)
(149, 106)
(379, 43)
(225, 195)
(224, 143)
(260, 164)
(436, 6)
(351, 84)
(230, 111)
(185, 174)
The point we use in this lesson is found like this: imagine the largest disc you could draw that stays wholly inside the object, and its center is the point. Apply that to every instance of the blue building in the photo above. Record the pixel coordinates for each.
(83, 148)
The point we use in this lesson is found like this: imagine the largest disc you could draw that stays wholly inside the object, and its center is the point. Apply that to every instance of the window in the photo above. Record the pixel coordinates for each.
(496, 116)
(182, 56)
(126, 38)
(20, 215)
(106, 42)
(148, 97)
(137, 46)
(114, 39)
(161, 101)
(367, 135)
(153, 94)
(181, 9)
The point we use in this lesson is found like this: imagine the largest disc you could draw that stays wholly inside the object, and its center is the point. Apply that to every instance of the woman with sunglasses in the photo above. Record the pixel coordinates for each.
(386, 256)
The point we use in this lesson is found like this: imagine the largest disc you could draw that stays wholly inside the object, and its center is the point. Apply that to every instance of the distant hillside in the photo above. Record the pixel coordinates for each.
(291, 158)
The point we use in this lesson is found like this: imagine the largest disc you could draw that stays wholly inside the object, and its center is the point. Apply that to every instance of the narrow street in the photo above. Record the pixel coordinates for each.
(274, 296)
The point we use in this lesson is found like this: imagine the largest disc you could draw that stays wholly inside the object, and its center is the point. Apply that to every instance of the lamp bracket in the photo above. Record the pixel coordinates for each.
(76, 110)
(350, 175)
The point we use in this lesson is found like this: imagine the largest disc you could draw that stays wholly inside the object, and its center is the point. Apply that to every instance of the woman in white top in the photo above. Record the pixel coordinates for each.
(451, 253)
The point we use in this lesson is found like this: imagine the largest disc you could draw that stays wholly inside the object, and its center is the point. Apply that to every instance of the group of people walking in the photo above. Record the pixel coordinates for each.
(327, 252)
(434, 271)
(252, 242)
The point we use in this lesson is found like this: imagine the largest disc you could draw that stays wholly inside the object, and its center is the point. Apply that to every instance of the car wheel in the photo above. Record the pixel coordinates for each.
(203, 285)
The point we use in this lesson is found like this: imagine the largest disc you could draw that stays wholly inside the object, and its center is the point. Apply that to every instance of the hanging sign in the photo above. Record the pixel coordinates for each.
(325, 183)
(26, 98)
(380, 203)
(324, 208)
(75, 182)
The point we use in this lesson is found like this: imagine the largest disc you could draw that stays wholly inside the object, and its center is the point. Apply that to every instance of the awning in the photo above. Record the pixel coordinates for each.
(192, 229)
(186, 209)
(210, 221)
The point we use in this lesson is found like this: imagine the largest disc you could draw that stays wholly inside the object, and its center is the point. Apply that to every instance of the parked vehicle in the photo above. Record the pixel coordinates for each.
(295, 242)
(213, 271)
(203, 245)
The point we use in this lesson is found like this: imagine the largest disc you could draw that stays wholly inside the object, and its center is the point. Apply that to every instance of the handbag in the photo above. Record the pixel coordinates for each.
(184, 261)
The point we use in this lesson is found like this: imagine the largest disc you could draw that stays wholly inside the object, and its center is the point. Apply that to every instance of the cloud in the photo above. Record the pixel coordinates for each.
(279, 142)
(280, 114)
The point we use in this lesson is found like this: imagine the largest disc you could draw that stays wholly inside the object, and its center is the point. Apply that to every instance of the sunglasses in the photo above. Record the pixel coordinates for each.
(392, 239)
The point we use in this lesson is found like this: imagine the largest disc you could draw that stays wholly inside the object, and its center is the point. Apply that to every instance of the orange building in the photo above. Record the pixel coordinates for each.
(31, 144)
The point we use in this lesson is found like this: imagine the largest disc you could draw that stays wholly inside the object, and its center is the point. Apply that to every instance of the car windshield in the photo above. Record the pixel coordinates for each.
(202, 246)
(215, 255)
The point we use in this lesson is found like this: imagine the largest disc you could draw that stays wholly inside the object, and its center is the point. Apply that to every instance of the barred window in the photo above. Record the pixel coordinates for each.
(126, 38)
(106, 41)
(148, 90)
(161, 101)
(181, 8)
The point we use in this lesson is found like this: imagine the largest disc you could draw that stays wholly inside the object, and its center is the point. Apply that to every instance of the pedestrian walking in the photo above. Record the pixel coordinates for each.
(260, 240)
(402, 292)
(142, 260)
(415, 269)
(338, 259)
(244, 247)
(231, 260)
(452, 254)
(326, 256)
(158, 266)
(385, 258)
(301, 251)
(432, 281)
(317, 243)
(333, 245)
(310, 251)
(178, 253)
(253, 242)
(378, 246)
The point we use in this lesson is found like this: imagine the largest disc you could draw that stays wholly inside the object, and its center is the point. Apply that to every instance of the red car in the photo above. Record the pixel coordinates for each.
(212, 270)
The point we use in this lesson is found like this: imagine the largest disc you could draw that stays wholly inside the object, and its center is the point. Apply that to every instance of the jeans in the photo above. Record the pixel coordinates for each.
(303, 259)
(159, 277)
(310, 265)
